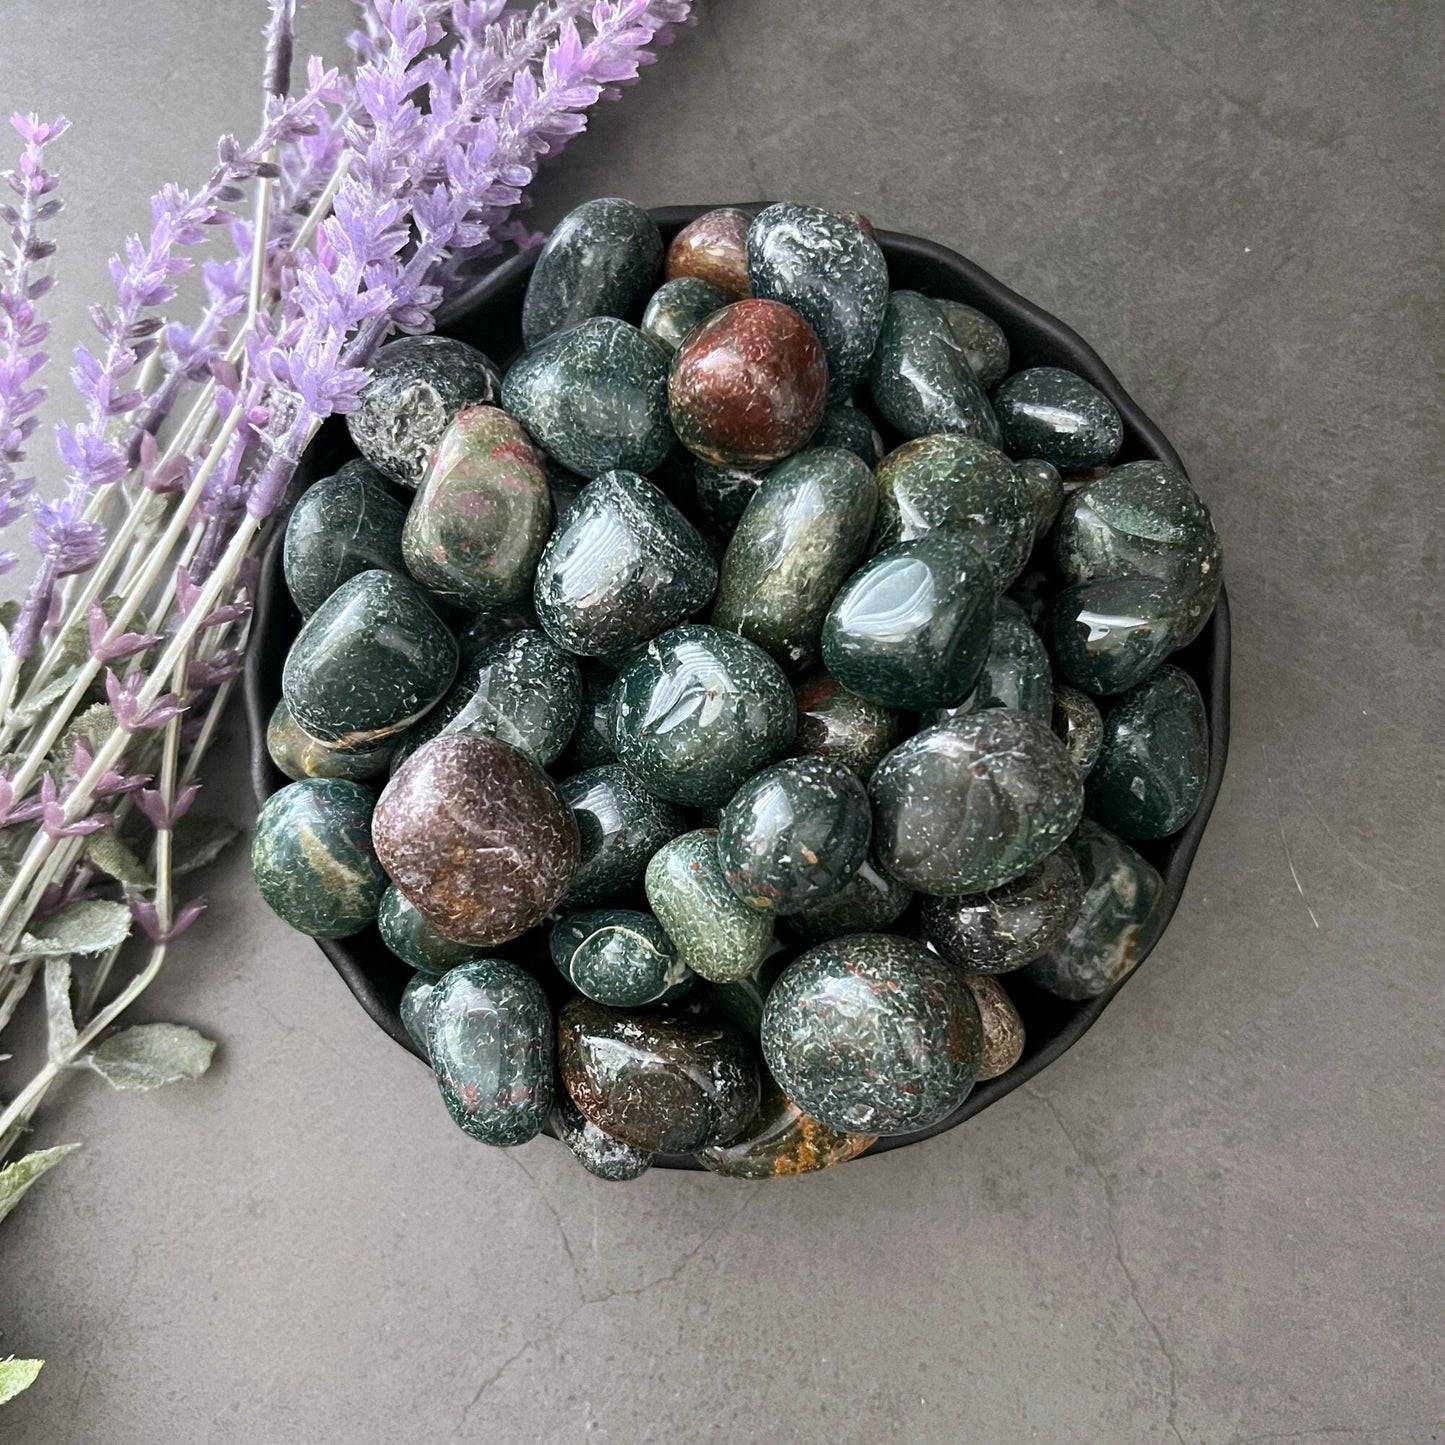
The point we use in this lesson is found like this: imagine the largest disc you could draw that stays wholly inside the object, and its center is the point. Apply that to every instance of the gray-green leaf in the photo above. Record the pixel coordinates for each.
(95, 724)
(58, 1017)
(109, 852)
(17, 1375)
(90, 926)
(16, 1178)
(51, 693)
(146, 1056)
(199, 839)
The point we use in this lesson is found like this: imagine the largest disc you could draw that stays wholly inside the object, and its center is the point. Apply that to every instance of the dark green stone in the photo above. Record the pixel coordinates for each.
(657, 1081)
(723, 492)
(1045, 488)
(599, 1154)
(415, 998)
(1003, 928)
(1017, 673)
(698, 712)
(1078, 722)
(920, 377)
(1154, 762)
(1144, 520)
(413, 940)
(873, 1034)
(618, 956)
(910, 629)
(622, 566)
(838, 724)
(490, 1029)
(1055, 414)
(621, 826)
(847, 427)
(803, 533)
(601, 260)
(869, 901)
(299, 755)
(741, 1000)
(964, 484)
(591, 744)
(780, 1140)
(967, 806)
(1116, 925)
(312, 856)
(981, 338)
(369, 662)
(677, 306)
(340, 526)
(1106, 636)
(595, 397)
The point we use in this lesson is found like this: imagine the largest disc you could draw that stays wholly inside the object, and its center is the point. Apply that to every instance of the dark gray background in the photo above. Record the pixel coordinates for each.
(1219, 1218)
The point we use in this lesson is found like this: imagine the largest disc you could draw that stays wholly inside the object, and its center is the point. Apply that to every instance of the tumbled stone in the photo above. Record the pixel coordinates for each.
(1078, 722)
(873, 1034)
(299, 755)
(417, 384)
(836, 723)
(920, 377)
(413, 940)
(720, 936)
(591, 744)
(723, 492)
(341, 525)
(780, 1140)
(677, 306)
(867, 903)
(847, 427)
(801, 536)
(481, 513)
(490, 1030)
(602, 259)
(981, 340)
(656, 1081)
(621, 826)
(415, 998)
(967, 806)
(595, 396)
(713, 248)
(477, 837)
(368, 663)
(314, 859)
(698, 711)
(910, 629)
(599, 1154)
(1105, 636)
(747, 385)
(618, 956)
(1117, 923)
(1045, 489)
(1154, 762)
(1017, 672)
(477, 632)
(1055, 414)
(623, 565)
(1005, 927)
(1003, 1029)
(831, 272)
(741, 1000)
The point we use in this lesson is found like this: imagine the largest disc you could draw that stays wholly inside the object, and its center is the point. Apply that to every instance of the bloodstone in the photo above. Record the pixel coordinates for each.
(599, 1154)
(1017, 672)
(621, 826)
(624, 565)
(476, 633)
(299, 755)
(723, 492)
(481, 514)
(369, 662)
(601, 260)
(849, 428)
(477, 837)
(910, 629)
(313, 857)
(1003, 1029)
(591, 744)
(794, 834)
(1154, 762)
(657, 1081)
(869, 901)
(1106, 636)
(747, 385)
(713, 248)
(981, 339)
(413, 940)
(1003, 928)
(831, 272)
(342, 525)
(781, 1140)
(1117, 923)
(490, 1031)
(417, 385)
(595, 396)
(698, 712)
(838, 724)
(873, 1034)
(415, 998)
(1078, 722)
(741, 1000)
(618, 956)
(967, 806)
(1045, 489)
(802, 535)
(920, 376)
(677, 306)
(1055, 414)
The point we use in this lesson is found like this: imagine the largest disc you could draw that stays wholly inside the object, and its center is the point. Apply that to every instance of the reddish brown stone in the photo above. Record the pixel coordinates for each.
(713, 248)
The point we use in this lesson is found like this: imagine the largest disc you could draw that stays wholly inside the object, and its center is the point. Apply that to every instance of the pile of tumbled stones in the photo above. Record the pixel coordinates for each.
(775, 748)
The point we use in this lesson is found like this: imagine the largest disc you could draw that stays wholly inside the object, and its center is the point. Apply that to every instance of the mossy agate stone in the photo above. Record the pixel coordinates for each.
(981, 339)
(838, 724)
(1078, 722)
(868, 902)
(1017, 672)
(618, 956)
(1003, 1028)
(299, 755)
(599, 1154)
(1108, 635)
(621, 825)
(677, 306)
(741, 1000)
(591, 744)
(847, 427)
(415, 998)
(780, 1140)
(1049, 412)
(413, 940)
(713, 248)
(1045, 489)
(722, 493)
(313, 857)
(873, 1034)
(490, 1030)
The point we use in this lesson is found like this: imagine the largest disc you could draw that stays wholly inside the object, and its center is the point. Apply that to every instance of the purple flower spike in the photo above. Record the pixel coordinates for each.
(122, 698)
(144, 913)
(127, 644)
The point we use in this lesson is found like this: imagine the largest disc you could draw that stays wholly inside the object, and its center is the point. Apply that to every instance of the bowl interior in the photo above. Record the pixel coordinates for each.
(488, 316)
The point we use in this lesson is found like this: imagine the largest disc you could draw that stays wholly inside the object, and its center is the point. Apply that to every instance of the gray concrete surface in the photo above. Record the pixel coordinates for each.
(1219, 1219)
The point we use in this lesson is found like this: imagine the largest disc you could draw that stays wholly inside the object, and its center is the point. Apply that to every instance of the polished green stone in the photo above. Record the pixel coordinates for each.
(591, 744)
(1055, 414)
(981, 338)
(1144, 519)
(369, 662)
(964, 484)
(1003, 1026)
(1154, 762)
(1117, 923)
(836, 723)
(413, 940)
(868, 902)
(698, 712)
(490, 1029)
(721, 937)
(910, 629)
(1105, 636)
(594, 396)
(618, 956)
(621, 826)
(967, 806)
(622, 566)
(598, 1153)
(780, 1140)
(415, 998)
(920, 376)
(341, 525)
(847, 427)
(723, 491)
(1045, 488)
(803, 533)
(299, 755)
(313, 860)
(1017, 673)
(1078, 722)
(873, 1034)
(741, 1000)
(677, 306)
(481, 514)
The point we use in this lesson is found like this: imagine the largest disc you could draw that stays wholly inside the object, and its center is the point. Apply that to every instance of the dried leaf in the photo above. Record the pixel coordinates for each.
(60, 1038)
(200, 839)
(16, 1178)
(95, 724)
(17, 1375)
(146, 1056)
(51, 693)
(109, 852)
(90, 926)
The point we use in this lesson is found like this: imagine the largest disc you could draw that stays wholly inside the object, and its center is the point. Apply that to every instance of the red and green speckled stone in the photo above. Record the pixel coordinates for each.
(714, 248)
(412, 1008)
(1053, 413)
(598, 1153)
(677, 306)
(836, 723)
(618, 956)
(299, 755)
(868, 902)
(621, 826)
(781, 1140)
(413, 940)
(1003, 1028)
(1107, 635)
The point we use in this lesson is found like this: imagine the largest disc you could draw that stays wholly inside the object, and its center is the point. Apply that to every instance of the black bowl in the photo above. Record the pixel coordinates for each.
(489, 316)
